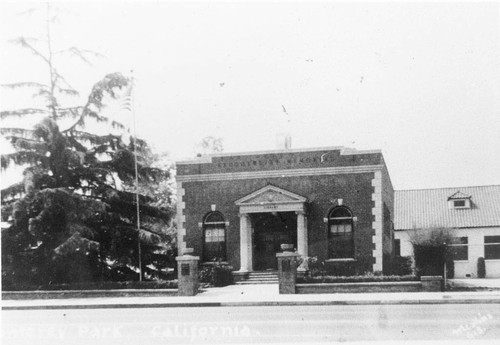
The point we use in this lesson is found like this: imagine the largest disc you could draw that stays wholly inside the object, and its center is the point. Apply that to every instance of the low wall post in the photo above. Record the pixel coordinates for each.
(432, 283)
(287, 272)
(187, 270)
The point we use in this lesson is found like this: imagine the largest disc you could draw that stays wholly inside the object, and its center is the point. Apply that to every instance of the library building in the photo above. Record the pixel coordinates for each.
(241, 209)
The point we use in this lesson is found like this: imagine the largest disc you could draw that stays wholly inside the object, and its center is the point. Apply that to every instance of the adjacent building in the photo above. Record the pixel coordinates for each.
(471, 215)
(336, 204)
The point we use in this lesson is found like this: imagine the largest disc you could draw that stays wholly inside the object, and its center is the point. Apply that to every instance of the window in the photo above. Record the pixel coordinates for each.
(340, 233)
(491, 247)
(457, 204)
(459, 248)
(397, 247)
(214, 237)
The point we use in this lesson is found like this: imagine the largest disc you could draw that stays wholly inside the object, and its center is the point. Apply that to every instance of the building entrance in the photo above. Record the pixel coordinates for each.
(270, 231)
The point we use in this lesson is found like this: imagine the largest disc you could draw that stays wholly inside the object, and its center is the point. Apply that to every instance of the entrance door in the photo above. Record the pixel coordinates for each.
(272, 230)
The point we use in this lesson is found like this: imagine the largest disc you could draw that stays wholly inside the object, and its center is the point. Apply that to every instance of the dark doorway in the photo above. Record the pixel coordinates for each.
(270, 231)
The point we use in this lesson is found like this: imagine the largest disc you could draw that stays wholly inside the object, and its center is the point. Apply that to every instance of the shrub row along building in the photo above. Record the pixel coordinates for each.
(336, 204)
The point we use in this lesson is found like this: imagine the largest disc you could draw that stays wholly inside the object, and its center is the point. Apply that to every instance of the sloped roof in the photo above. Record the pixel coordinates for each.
(428, 208)
(459, 195)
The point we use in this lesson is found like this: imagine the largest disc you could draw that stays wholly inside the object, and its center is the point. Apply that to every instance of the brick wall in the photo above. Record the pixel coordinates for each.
(321, 192)
(388, 221)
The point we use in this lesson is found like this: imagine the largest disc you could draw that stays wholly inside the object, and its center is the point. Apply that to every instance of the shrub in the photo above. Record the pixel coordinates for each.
(205, 274)
(430, 250)
(342, 269)
(316, 267)
(216, 274)
(320, 268)
(481, 268)
(450, 268)
(401, 265)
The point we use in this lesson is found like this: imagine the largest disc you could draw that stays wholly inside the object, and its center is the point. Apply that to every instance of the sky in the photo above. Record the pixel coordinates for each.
(419, 81)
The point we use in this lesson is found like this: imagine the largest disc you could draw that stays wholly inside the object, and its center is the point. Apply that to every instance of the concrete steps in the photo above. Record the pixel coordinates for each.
(247, 282)
(260, 277)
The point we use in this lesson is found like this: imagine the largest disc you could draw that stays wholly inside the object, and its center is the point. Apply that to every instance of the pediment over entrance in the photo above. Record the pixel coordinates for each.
(270, 199)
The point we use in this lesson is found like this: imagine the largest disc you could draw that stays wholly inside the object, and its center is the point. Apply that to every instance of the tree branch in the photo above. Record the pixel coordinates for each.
(21, 112)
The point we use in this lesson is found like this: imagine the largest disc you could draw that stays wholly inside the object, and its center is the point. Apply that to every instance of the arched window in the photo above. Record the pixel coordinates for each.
(340, 233)
(214, 237)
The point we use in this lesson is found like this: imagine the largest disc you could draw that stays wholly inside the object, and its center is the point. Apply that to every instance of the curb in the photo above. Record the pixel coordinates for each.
(112, 306)
(254, 304)
(358, 302)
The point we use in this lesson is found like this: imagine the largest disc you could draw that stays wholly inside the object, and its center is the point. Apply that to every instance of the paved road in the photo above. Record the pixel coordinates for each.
(239, 325)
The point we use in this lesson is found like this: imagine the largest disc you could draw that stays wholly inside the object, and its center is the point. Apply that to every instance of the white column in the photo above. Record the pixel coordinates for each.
(250, 244)
(302, 245)
(245, 243)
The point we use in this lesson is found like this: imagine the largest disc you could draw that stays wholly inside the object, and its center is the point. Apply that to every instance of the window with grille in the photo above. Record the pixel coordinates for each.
(492, 247)
(214, 237)
(340, 233)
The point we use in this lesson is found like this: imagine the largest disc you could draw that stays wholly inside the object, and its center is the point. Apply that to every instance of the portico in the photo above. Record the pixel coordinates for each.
(255, 210)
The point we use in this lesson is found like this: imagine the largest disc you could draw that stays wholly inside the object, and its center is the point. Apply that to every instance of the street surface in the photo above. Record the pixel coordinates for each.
(240, 325)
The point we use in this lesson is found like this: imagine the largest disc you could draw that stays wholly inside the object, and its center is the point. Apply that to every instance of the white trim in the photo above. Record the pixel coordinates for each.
(377, 225)
(297, 203)
(246, 175)
(214, 263)
(277, 207)
(181, 218)
(344, 151)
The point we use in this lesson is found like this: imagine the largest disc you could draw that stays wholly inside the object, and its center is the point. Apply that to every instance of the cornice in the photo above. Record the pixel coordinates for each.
(247, 175)
(344, 151)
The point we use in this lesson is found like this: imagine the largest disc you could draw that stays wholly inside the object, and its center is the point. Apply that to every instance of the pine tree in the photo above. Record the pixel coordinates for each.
(74, 214)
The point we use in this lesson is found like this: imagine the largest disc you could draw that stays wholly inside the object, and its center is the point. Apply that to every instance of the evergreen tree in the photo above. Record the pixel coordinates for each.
(73, 217)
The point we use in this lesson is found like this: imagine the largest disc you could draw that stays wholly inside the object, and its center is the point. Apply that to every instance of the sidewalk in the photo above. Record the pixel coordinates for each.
(493, 283)
(255, 295)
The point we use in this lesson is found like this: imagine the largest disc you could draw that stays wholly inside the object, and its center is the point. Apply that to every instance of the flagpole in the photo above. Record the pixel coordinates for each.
(132, 105)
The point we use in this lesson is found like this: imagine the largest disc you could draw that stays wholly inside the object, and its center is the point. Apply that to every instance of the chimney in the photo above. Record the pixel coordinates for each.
(283, 141)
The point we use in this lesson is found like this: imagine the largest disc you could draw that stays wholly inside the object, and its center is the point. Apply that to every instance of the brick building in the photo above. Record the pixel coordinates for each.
(333, 203)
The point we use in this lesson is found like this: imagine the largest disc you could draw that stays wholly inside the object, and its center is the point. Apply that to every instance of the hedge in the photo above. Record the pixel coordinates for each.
(357, 279)
(167, 284)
